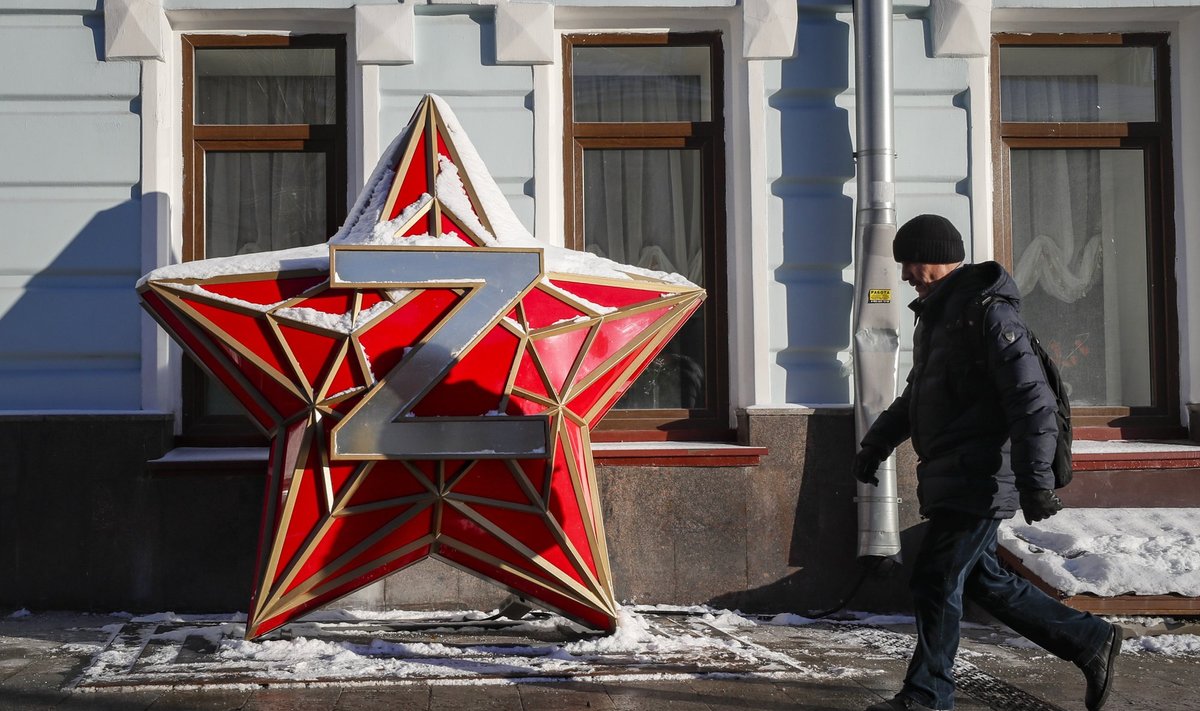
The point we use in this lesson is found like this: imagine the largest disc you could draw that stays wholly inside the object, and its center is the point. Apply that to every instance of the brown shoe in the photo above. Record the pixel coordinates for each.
(1099, 672)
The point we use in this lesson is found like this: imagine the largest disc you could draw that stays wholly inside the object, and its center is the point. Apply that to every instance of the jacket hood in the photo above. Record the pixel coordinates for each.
(985, 279)
(996, 281)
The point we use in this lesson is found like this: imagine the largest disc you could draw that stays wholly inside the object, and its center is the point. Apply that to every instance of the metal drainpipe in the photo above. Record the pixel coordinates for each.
(876, 344)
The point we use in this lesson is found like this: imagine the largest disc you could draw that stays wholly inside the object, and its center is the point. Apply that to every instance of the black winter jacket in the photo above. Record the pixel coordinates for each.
(982, 425)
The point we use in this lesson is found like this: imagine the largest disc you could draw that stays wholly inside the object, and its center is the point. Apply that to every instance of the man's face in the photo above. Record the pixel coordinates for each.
(924, 277)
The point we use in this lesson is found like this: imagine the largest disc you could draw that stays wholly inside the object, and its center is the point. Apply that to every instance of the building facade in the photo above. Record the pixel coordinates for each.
(714, 138)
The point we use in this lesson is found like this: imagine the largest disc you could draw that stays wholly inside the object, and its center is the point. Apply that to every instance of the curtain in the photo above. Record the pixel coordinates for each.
(1056, 193)
(263, 201)
(643, 207)
(1057, 214)
(265, 99)
(258, 201)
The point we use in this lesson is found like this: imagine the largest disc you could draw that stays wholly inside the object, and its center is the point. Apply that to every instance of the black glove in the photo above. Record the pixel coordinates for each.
(1039, 504)
(866, 462)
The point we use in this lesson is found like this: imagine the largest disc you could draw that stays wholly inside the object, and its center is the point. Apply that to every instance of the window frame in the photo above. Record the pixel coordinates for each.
(710, 423)
(1153, 139)
(199, 428)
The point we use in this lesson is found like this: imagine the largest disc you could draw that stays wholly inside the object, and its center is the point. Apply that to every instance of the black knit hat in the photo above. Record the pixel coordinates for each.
(928, 239)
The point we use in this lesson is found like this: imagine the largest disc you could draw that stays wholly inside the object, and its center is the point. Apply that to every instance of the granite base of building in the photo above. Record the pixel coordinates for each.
(86, 525)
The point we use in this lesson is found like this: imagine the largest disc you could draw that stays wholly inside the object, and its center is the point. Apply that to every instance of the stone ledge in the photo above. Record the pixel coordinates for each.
(676, 454)
(89, 415)
(625, 454)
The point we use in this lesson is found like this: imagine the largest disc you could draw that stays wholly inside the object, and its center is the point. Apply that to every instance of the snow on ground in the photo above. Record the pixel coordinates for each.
(470, 647)
(1111, 551)
(1174, 645)
(443, 647)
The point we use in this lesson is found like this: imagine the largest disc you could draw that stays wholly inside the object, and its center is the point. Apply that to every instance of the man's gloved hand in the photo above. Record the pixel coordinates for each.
(1039, 504)
(866, 462)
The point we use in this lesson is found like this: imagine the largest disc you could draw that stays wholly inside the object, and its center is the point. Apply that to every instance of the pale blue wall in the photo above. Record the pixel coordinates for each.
(810, 138)
(70, 212)
(811, 179)
(933, 134)
(455, 58)
(70, 229)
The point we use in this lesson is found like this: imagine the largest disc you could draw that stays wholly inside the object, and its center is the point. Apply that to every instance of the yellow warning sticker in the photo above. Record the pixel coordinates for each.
(879, 296)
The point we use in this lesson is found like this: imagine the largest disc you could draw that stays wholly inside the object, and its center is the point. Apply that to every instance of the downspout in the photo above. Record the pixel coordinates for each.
(876, 343)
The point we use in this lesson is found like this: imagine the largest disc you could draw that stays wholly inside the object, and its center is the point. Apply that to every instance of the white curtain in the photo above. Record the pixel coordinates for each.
(1056, 217)
(270, 99)
(258, 201)
(643, 207)
(263, 201)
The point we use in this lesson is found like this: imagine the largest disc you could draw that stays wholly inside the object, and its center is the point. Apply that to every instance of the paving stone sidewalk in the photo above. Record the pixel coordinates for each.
(679, 662)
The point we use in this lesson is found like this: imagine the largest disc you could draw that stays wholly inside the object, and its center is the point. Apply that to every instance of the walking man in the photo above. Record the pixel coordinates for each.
(983, 427)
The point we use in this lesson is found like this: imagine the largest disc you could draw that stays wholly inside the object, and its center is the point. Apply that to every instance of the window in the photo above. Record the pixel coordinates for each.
(1083, 217)
(264, 136)
(644, 152)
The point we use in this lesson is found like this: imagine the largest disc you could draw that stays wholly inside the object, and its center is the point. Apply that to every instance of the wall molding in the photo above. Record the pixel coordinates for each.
(524, 33)
(960, 28)
(769, 29)
(385, 34)
(134, 29)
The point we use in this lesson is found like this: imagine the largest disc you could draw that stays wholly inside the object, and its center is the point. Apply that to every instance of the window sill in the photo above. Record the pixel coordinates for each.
(676, 454)
(223, 460)
(218, 460)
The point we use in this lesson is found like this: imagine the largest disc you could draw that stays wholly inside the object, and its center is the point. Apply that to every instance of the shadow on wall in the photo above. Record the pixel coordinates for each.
(817, 566)
(83, 524)
(817, 227)
(72, 338)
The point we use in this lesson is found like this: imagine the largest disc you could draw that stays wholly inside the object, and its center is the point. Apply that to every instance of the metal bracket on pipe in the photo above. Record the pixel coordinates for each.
(879, 514)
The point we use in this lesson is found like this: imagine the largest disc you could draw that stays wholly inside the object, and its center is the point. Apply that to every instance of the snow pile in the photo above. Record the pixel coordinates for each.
(1173, 645)
(337, 323)
(1111, 552)
(726, 620)
(632, 635)
(302, 658)
(788, 619)
(339, 646)
(314, 258)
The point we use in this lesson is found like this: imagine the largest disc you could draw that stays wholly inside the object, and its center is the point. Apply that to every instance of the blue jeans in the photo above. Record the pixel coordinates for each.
(957, 559)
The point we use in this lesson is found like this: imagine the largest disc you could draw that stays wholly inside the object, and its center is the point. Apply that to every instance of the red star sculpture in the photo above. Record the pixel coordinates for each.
(428, 379)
